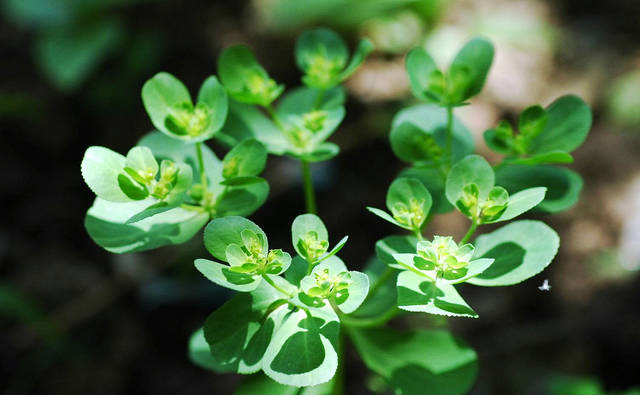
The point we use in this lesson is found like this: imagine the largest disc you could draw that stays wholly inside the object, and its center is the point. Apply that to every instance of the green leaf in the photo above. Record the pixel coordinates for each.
(100, 169)
(239, 335)
(222, 232)
(323, 152)
(384, 299)
(560, 157)
(473, 169)
(259, 384)
(414, 143)
(213, 94)
(386, 216)
(242, 181)
(563, 185)
(245, 121)
(532, 121)
(302, 100)
(245, 79)
(303, 349)
(335, 249)
(200, 354)
(390, 245)
(322, 55)
(420, 66)
(521, 250)
(567, 128)
(224, 277)
(409, 194)
(364, 48)
(476, 56)
(421, 362)
(106, 224)
(245, 159)
(301, 227)
(521, 202)
(434, 181)
(160, 94)
(70, 53)
(150, 211)
(243, 199)
(420, 294)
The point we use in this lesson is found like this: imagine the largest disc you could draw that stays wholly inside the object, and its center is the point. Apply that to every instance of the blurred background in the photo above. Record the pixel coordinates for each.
(75, 319)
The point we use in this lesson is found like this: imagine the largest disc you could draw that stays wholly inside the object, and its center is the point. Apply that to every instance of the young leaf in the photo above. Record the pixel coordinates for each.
(100, 169)
(259, 384)
(225, 277)
(567, 127)
(106, 224)
(473, 169)
(222, 232)
(420, 294)
(302, 100)
(302, 351)
(428, 126)
(476, 56)
(409, 202)
(322, 55)
(172, 112)
(364, 48)
(386, 216)
(420, 66)
(309, 237)
(518, 256)
(521, 202)
(245, 79)
(563, 185)
(245, 159)
(434, 181)
(420, 362)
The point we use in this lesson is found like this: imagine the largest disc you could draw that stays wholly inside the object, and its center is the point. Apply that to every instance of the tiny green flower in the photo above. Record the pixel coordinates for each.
(312, 247)
(444, 256)
(186, 120)
(315, 120)
(412, 215)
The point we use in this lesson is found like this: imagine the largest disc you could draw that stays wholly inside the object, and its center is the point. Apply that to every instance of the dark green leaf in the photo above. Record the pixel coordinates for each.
(521, 250)
(420, 294)
(476, 56)
(222, 232)
(418, 362)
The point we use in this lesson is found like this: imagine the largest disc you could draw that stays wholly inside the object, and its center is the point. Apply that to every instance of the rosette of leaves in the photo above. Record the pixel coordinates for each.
(323, 57)
(286, 327)
(304, 118)
(464, 78)
(173, 112)
(155, 196)
(471, 189)
(544, 136)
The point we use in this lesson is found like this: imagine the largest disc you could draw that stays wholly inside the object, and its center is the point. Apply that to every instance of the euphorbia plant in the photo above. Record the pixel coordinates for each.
(294, 312)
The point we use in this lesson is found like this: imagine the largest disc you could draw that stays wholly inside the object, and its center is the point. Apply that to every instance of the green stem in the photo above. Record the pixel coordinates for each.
(203, 175)
(309, 195)
(356, 322)
(470, 232)
(450, 135)
(418, 234)
(276, 286)
(338, 383)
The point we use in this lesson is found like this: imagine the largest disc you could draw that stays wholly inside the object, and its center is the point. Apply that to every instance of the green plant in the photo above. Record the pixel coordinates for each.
(292, 316)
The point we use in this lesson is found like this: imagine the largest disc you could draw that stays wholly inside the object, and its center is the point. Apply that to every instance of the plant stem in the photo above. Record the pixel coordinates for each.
(338, 383)
(276, 286)
(418, 234)
(309, 194)
(356, 322)
(470, 232)
(450, 135)
(203, 175)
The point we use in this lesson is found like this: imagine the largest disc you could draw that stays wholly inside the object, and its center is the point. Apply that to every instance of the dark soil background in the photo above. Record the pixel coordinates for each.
(84, 321)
